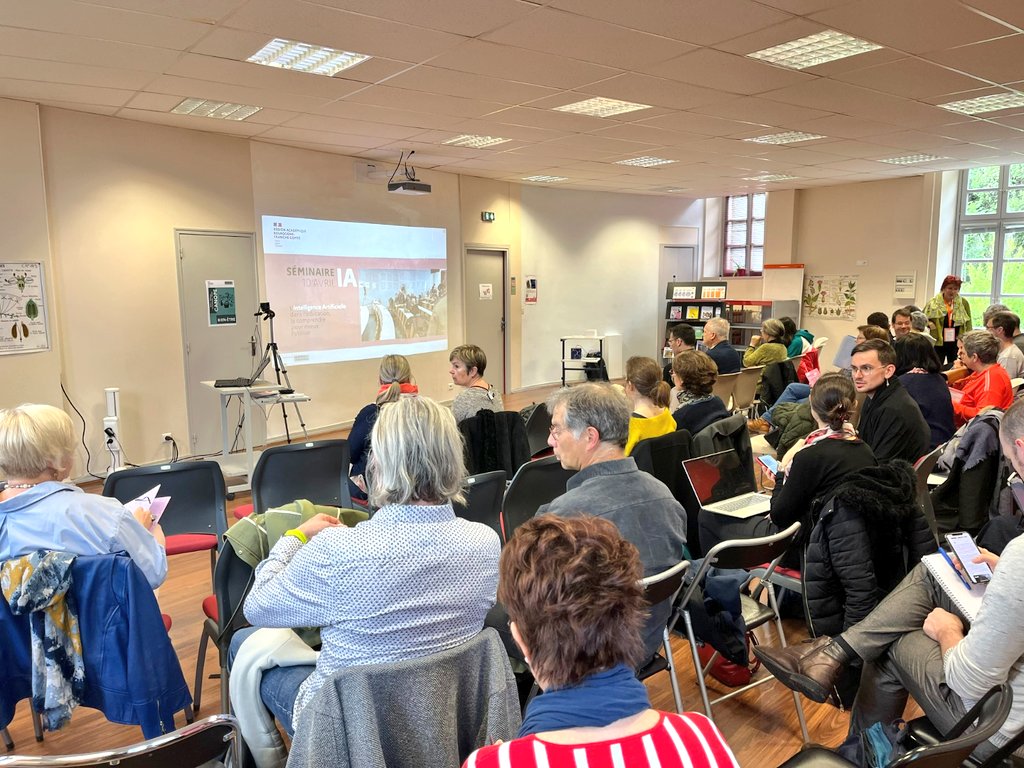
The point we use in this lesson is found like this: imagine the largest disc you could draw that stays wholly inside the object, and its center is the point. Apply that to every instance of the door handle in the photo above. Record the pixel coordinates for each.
(503, 325)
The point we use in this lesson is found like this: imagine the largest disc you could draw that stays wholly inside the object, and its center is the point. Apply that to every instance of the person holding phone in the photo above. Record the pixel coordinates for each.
(810, 471)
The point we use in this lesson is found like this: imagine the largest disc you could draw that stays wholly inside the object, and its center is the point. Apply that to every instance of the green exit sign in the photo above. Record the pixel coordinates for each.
(487, 216)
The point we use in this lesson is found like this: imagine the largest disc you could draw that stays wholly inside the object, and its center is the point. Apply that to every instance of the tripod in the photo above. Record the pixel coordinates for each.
(272, 353)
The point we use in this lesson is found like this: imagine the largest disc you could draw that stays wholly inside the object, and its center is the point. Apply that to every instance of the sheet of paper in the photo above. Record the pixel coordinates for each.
(150, 500)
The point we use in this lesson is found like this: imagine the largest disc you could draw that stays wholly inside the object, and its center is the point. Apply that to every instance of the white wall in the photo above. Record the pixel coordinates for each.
(595, 256)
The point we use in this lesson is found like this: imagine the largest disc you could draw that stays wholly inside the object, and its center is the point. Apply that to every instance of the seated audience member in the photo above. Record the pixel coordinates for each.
(649, 396)
(694, 374)
(901, 323)
(890, 421)
(1003, 325)
(917, 367)
(681, 337)
(767, 348)
(919, 323)
(718, 348)
(866, 332)
(1018, 337)
(40, 510)
(808, 473)
(589, 427)
(575, 605)
(467, 370)
(799, 340)
(916, 640)
(880, 320)
(411, 581)
(987, 385)
(395, 379)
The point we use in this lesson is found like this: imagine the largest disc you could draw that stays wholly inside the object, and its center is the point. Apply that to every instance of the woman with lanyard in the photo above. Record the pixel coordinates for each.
(808, 473)
(950, 315)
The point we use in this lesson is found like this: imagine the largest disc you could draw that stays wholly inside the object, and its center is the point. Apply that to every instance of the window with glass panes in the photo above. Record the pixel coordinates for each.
(990, 241)
(743, 253)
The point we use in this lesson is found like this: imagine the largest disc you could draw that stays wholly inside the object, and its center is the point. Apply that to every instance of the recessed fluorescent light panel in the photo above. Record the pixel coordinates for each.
(789, 137)
(814, 50)
(602, 107)
(769, 178)
(305, 57)
(222, 110)
(911, 159)
(475, 142)
(645, 161)
(545, 179)
(991, 103)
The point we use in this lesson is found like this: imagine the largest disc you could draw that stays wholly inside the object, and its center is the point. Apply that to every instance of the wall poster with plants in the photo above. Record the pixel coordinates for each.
(22, 308)
(831, 297)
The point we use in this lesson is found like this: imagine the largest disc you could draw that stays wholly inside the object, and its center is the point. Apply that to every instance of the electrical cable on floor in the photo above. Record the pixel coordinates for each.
(88, 455)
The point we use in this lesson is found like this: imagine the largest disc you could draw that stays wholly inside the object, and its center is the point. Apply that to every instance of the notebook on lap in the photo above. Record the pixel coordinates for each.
(723, 485)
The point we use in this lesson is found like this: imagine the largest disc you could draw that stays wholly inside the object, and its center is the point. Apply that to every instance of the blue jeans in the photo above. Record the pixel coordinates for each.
(793, 393)
(279, 686)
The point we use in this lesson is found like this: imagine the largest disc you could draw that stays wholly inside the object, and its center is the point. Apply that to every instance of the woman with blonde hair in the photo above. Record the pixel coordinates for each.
(395, 379)
(39, 509)
(649, 394)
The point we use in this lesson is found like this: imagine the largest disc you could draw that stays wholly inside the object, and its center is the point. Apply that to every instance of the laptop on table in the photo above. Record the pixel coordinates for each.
(244, 381)
(723, 485)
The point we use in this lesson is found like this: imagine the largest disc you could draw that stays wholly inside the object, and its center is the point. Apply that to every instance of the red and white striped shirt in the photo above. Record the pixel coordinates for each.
(676, 741)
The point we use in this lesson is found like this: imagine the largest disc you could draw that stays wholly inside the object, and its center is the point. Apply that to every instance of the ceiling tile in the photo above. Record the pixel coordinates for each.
(102, 23)
(707, 125)
(727, 72)
(385, 96)
(917, 140)
(695, 21)
(804, 7)
(912, 78)
(203, 11)
(53, 46)
(353, 127)
(206, 124)
(204, 89)
(460, 17)
(751, 109)
(980, 131)
(452, 83)
(387, 115)
(579, 37)
(323, 137)
(483, 58)
(647, 134)
(80, 74)
(29, 90)
(842, 126)
(297, 20)
(792, 28)
(92, 109)
(154, 102)
(995, 60)
(915, 26)
(198, 67)
(550, 119)
(493, 127)
(1007, 11)
(655, 91)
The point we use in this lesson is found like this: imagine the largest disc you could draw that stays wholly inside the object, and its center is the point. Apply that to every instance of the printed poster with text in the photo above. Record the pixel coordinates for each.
(352, 291)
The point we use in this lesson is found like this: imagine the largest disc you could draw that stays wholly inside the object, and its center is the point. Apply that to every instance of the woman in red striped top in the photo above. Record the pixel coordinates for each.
(571, 587)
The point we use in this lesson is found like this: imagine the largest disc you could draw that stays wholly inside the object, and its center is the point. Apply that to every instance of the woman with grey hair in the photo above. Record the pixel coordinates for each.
(411, 581)
(39, 509)
(767, 348)
(988, 385)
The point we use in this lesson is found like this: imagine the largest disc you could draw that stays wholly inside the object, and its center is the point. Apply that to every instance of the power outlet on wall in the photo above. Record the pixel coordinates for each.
(167, 436)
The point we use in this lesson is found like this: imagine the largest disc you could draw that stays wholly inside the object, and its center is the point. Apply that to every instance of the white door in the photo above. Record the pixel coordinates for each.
(485, 309)
(216, 351)
(678, 263)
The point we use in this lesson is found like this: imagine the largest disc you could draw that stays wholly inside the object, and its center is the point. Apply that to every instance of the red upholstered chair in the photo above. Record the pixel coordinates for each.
(196, 516)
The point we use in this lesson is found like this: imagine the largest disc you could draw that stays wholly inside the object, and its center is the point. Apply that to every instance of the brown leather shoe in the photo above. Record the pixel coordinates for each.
(759, 426)
(807, 668)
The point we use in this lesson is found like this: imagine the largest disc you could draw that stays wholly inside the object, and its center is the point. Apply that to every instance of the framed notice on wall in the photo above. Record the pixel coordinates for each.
(23, 308)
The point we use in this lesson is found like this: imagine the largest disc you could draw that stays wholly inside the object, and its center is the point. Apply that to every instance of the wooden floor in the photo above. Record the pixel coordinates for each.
(761, 725)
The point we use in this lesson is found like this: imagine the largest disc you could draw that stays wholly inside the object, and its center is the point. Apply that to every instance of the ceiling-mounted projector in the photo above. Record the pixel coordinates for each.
(409, 187)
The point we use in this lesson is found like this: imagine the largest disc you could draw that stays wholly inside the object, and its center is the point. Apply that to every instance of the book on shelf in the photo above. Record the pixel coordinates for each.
(693, 313)
(675, 313)
(706, 312)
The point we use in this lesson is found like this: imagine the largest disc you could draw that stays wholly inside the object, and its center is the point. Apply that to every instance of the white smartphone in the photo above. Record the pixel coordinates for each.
(768, 462)
(966, 550)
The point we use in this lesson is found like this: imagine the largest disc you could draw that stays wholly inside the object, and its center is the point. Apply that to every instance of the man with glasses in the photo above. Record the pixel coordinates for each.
(681, 337)
(890, 420)
(589, 427)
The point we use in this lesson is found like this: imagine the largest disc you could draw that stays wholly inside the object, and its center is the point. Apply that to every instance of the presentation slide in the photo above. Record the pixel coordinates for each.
(345, 290)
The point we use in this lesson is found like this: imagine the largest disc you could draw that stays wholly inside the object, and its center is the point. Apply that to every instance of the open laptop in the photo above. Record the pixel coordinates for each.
(244, 382)
(724, 486)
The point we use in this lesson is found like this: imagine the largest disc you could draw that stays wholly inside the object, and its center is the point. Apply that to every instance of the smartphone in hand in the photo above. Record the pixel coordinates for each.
(768, 462)
(966, 550)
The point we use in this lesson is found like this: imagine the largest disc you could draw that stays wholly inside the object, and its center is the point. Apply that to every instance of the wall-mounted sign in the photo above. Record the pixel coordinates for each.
(530, 292)
(486, 291)
(220, 295)
(905, 286)
(487, 216)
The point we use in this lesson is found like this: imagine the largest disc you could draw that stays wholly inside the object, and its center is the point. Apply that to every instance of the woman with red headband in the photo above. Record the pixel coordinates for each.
(950, 316)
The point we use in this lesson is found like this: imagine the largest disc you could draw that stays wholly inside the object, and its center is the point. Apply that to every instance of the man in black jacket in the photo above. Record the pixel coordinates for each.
(890, 420)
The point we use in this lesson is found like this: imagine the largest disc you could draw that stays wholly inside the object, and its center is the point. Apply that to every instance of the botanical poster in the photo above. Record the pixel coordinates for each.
(22, 308)
(831, 296)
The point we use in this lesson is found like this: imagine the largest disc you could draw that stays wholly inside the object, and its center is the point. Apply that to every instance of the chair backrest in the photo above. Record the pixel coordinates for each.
(724, 386)
(795, 362)
(723, 435)
(538, 428)
(665, 585)
(819, 343)
(663, 457)
(495, 440)
(317, 471)
(212, 738)
(536, 483)
(196, 489)
(774, 380)
(922, 468)
(484, 494)
(746, 388)
(232, 580)
(990, 711)
(749, 553)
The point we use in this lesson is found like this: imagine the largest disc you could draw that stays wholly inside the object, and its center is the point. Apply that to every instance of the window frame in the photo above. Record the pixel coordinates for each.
(728, 268)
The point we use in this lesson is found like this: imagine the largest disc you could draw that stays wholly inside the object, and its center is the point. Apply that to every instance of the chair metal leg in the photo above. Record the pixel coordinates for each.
(8, 741)
(698, 670)
(197, 690)
(37, 724)
(782, 642)
(213, 567)
(672, 671)
(225, 700)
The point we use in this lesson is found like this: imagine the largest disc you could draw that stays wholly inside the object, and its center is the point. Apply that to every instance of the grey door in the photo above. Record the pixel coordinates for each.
(215, 351)
(485, 309)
